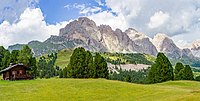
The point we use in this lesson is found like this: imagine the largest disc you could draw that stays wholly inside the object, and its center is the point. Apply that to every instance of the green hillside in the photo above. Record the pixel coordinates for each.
(97, 90)
(129, 58)
(64, 57)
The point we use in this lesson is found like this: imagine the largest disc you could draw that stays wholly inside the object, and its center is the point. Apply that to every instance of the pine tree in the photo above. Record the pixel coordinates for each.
(2, 51)
(177, 74)
(100, 67)
(77, 63)
(188, 75)
(42, 64)
(14, 56)
(25, 55)
(33, 67)
(82, 65)
(197, 78)
(89, 70)
(161, 71)
(5, 60)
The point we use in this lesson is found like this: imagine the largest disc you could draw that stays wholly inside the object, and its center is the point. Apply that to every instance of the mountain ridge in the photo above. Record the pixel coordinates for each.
(84, 32)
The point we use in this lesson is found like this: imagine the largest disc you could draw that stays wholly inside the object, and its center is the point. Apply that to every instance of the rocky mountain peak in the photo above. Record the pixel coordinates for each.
(164, 44)
(133, 34)
(160, 36)
(84, 21)
(195, 45)
(161, 39)
(79, 25)
(131, 30)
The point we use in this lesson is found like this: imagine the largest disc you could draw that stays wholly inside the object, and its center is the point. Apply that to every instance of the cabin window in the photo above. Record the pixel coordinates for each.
(20, 71)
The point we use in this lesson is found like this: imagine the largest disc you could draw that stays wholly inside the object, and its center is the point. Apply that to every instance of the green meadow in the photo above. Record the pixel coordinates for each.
(97, 89)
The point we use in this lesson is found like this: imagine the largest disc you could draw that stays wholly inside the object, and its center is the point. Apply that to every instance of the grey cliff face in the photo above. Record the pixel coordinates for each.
(142, 41)
(104, 38)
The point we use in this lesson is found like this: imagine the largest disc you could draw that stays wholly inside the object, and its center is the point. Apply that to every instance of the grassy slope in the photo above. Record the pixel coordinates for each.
(63, 58)
(97, 89)
(130, 58)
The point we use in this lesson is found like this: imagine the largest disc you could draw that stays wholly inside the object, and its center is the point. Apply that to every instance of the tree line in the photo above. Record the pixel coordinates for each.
(160, 71)
(44, 68)
(163, 71)
(130, 76)
(24, 56)
(84, 64)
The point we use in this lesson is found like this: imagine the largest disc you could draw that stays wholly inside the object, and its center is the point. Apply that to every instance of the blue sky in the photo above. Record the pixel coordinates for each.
(55, 11)
(22, 21)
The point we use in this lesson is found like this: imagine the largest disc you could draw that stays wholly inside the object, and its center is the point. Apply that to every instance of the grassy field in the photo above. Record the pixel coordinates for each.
(96, 90)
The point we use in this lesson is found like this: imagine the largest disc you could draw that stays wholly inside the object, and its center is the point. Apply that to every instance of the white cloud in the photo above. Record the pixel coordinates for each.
(128, 8)
(108, 18)
(158, 19)
(185, 40)
(84, 9)
(179, 19)
(10, 10)
(31, 26)
(90, 10)
(167, 16)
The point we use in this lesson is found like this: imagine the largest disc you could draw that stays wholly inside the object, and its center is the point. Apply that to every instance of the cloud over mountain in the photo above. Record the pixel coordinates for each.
(30, 26)
(179, 19)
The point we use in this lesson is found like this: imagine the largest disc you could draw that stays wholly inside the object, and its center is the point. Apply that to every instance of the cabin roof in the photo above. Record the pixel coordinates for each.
(12, 66)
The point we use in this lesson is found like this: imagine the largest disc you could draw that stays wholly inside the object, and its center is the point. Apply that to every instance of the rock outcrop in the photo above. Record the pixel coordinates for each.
(104, 38)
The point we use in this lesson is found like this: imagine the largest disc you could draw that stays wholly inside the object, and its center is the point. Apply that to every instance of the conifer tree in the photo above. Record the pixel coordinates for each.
(161, 71)
(25, 55)
(188, 75)
(77, 63)
(5, 60)
(82, 65)
(100, 67)
(14, 56)
(89, 70)
(178, 74)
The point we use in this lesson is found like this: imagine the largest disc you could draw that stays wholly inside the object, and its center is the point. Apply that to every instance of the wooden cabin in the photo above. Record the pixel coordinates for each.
(15, 72)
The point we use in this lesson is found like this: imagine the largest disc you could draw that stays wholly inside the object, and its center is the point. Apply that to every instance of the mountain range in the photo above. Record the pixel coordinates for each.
(84, 32)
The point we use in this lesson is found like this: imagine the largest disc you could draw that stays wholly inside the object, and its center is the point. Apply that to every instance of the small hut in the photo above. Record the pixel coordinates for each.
(15, 72)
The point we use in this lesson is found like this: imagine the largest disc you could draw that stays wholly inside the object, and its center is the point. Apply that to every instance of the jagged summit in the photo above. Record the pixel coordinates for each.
(161, 39)
(104, 38)
(84, 32)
